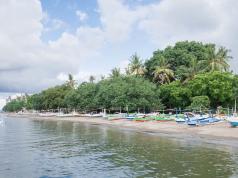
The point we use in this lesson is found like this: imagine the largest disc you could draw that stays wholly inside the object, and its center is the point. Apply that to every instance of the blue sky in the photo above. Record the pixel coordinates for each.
(66, 12)
(44, 40)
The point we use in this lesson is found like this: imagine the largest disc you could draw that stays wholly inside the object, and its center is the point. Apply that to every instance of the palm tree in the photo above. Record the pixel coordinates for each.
(162, 73)
(188, 73)
(103, 77)
(136, 66)
(116, 72)
(71, 82)
(218, 59)
(91, 79)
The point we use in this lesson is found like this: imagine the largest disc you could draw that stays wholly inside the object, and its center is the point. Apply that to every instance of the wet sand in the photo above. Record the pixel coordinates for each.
(170, 128)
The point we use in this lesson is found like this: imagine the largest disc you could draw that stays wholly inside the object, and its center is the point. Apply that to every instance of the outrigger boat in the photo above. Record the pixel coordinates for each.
(200, 120)
(180, 118)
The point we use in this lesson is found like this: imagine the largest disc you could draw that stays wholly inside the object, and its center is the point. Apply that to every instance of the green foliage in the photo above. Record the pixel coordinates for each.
(179, 55)
(14, 105)
(219, 87)
(128, 92)
(162, 73)
(200, 102)
(136, 66)
(86, 93)
(116, 72)
(175, 95)
(189, 74)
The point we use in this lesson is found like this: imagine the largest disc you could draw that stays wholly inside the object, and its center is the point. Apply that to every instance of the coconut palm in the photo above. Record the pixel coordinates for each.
(189, 72)
(136, 66)
(162, 73)
(71, 82)
(218, 59)
(92, 79)
(116, 72)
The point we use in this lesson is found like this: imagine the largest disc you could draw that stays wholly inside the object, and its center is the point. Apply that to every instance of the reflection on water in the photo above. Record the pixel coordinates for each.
(65, 149)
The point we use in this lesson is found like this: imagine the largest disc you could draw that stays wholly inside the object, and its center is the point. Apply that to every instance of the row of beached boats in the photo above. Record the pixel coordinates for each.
(188, 118)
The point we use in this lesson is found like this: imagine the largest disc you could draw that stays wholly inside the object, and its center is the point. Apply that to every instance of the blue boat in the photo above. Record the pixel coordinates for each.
(233, 122)
(131, 116)
(200, 120)
(208, 120)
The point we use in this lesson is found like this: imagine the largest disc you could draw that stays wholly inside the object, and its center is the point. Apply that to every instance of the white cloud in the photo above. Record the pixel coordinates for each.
(168, 21)
(28, 64)
(117, 19)
(51, 24)
(82, 15)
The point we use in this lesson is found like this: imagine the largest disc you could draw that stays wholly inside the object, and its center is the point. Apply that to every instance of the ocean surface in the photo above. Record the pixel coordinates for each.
(50, 149)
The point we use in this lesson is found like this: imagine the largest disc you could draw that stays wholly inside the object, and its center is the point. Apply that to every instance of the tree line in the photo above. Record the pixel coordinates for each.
(187, 75)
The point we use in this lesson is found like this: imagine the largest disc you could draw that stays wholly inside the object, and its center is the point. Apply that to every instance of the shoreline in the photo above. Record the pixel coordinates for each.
(219, 131)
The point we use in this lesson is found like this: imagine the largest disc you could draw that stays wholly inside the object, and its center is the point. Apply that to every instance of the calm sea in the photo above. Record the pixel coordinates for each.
(45, 149)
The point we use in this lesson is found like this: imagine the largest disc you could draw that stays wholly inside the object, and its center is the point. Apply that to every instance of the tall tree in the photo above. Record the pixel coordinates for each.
(162, 73)
(71, 82)
(92, 79)
(218, 59)
(136, 66)
(188, 73)
(116, 72)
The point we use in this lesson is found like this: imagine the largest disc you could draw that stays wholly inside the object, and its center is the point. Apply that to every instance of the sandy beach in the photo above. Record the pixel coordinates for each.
(221, 130)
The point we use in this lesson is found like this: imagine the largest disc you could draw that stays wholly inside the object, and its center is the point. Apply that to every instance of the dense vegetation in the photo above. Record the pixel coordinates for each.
(188, 75)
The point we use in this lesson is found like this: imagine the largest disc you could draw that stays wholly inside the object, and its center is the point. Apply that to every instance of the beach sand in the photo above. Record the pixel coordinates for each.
(170, 128)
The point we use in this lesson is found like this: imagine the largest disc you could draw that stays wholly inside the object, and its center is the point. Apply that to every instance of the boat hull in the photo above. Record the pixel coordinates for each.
(234, 123)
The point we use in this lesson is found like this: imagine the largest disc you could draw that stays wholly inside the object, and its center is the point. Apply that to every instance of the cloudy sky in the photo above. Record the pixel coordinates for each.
(43, 40)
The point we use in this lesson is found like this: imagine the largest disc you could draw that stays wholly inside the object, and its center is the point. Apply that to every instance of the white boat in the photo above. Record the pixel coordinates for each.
(94, 115)
(47, 114)
(233, 121)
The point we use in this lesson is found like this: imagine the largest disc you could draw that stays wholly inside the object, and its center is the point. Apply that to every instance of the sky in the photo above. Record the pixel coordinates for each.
(41, 41)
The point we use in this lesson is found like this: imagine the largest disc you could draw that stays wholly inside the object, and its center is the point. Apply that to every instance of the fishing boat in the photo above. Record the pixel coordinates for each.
(116, 116)
(192, 119)
(233, 121)
(196, 120)
(180, 120)
(135, 116)
(208, 120)
(131, 116)
(162, 118)
(48, 114)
